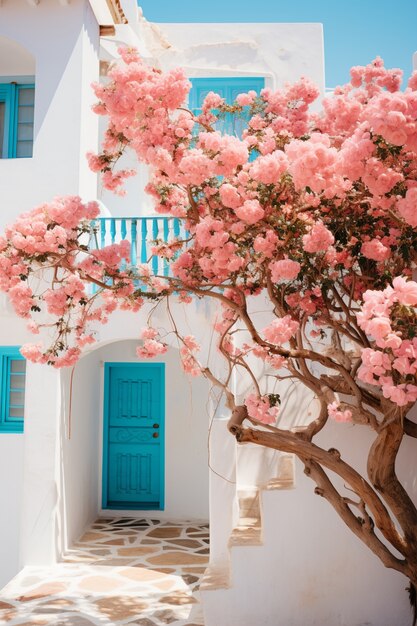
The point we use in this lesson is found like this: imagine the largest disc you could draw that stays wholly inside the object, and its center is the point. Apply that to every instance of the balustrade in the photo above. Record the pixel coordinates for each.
(142, 232)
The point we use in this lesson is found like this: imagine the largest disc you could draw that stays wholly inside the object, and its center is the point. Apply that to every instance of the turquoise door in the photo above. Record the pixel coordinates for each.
(133, 444)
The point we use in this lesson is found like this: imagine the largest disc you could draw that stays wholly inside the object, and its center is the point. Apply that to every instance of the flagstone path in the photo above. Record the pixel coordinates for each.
(122, 571)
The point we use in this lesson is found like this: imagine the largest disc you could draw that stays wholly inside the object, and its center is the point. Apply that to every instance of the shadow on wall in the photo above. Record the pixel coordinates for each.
(17, 100)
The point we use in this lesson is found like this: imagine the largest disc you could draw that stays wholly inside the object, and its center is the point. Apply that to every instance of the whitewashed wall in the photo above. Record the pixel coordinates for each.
(64, 42)
(11, 489)
(12, 333)
(311, 570)
(59, 46)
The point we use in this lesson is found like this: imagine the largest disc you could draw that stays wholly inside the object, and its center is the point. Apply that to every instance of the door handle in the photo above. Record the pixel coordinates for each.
(155, 435)
(156, 425)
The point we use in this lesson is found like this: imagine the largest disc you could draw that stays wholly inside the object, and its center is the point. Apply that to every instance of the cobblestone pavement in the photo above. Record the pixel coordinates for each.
(122, 571)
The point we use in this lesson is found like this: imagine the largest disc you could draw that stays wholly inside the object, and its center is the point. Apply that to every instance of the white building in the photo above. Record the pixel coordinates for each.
(298, 564)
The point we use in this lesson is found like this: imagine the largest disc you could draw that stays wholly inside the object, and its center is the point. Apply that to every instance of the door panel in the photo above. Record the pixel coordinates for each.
(133, 437)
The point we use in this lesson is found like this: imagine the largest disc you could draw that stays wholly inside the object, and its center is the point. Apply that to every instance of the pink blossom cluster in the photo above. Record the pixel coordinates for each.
(318, 239)
(281, 330)
(375, 250)
(259, 408)
(269, 168)
(407, 206)
(338, 415)
(152, 346)
(187, 352)
(315, 164)
(285, 269)
(389, 316)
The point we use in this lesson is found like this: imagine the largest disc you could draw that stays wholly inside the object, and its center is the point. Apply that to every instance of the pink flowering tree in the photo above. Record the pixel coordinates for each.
(312, 214)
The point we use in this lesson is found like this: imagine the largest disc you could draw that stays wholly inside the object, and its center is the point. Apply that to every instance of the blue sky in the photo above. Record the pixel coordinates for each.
(355, 31)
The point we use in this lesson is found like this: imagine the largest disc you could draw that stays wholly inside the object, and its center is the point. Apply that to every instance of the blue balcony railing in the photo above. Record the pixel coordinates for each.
(142, 233)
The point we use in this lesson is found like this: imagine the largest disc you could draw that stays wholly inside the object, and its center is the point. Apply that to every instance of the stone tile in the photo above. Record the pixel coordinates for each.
(100, 552)
(42, 591)
(113, 562)
(92, 536)
(72, 620)
(137, 551)
(194, 570)
(166, 617)
(186, 543)
(164, 570)
(178, 598)
(99, 583)
(58, 603)
(165, 532)
(190, 579)
(177, 558)
(152, 558)
(142, 574)
(166, 585)
(120, 607)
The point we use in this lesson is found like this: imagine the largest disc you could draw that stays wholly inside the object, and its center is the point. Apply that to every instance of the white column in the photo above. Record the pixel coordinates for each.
(39, 526)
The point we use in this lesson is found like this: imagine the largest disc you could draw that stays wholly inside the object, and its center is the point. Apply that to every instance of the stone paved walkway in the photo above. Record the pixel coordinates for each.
(122, 571)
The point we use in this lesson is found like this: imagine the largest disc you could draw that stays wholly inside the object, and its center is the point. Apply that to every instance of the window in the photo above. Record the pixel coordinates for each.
(228, 88)
(12, 389)
(16, 120)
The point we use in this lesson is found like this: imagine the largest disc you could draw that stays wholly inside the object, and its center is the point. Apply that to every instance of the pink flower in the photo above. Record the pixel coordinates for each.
(405, 291)
(268, 169)
(338, 415)
(281, 330)
(191, 343)
(375, 250)
(266, 244)
(151, 348)
(246, 99)
(284, 270)
(259, 408)
(230, 196)
(318, 239)
(250, 212)
(379, 327)
(195, 167)
(148, 333)
(32, 352)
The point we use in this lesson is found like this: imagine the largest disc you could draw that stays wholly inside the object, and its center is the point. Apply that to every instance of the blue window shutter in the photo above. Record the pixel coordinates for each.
(12, 389)
(228, 88)
(6, 96)
(18, 119)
